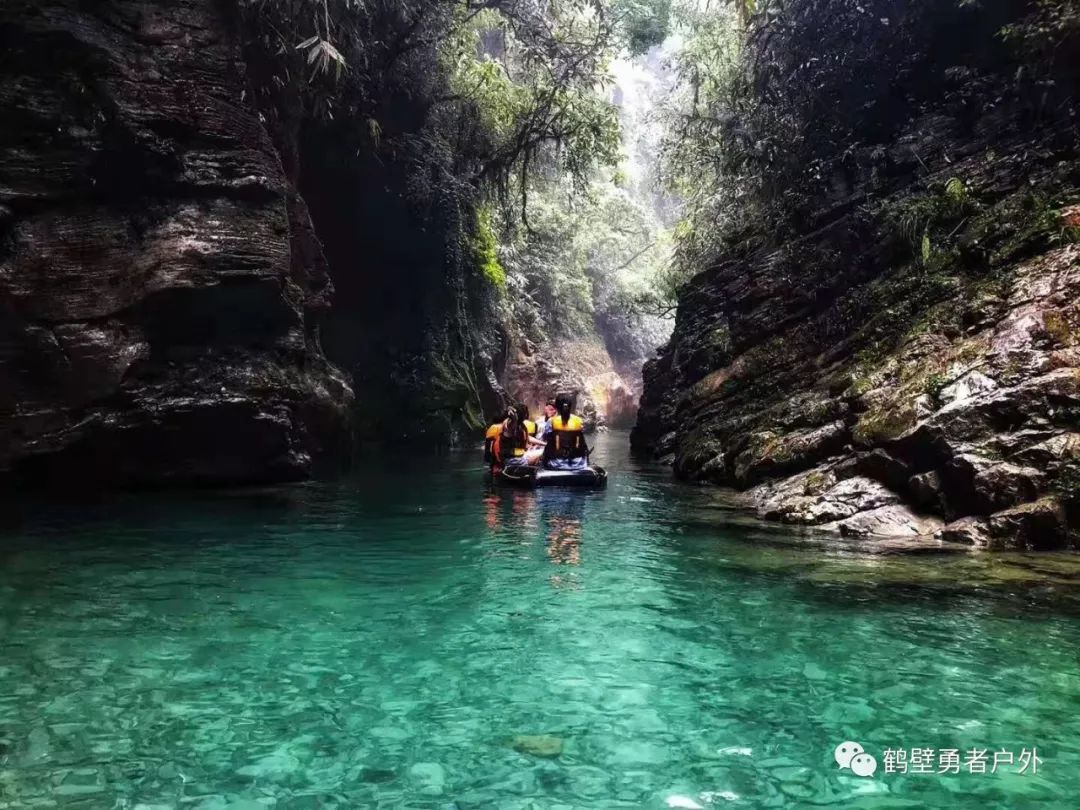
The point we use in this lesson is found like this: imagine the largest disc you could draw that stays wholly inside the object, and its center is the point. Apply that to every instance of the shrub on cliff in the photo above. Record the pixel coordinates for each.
(793, 111)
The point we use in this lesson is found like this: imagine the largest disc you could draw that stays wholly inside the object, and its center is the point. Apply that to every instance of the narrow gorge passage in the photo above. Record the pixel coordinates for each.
(539, 404)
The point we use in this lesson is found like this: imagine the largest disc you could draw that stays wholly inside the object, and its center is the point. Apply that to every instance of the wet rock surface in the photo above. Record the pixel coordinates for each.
(867, 390)
(160, 284)
(604, 396)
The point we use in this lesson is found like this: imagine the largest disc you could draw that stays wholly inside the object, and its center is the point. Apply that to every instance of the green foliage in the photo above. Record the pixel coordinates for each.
(321, 54)
(645, 22)
(503, 89)
(455, 382)
(956, 190)
(861, 384)
(782, 108)
(929, 220)
(1056, 324)
(882, 424)
(486, 249)
(1048, 33)
(534, 78)
(708, 71)
(583, 262)
(935, 384)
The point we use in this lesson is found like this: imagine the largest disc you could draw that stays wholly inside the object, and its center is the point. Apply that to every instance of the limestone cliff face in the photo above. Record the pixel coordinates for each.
(882, 378)
(413, 318)
(604, 395)
(160, 283)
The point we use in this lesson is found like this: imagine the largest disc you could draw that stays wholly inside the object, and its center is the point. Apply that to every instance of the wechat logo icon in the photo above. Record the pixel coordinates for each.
(850, 755)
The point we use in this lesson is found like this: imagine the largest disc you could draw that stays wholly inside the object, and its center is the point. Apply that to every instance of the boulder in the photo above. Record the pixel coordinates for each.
(771, 454)
(970, 385)
(798, 500)
(926, 491)
(982, 485)
(1035, 526)
(971, 531)
(894, 520)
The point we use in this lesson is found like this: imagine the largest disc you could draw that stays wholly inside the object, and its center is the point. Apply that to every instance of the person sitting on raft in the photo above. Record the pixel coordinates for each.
(548, 412)
(523, 417)
(505, 442)
(534, 450)
(536, 454)
(564, 446)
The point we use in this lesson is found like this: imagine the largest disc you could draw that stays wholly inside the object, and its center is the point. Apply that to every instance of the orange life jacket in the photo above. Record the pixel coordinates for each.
(507, 445)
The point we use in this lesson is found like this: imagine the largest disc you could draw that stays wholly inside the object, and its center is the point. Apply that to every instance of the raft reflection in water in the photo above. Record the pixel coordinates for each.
(559, 514)
(562, 512)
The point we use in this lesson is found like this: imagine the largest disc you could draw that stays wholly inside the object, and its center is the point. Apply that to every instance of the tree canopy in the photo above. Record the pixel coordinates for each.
(519, 86)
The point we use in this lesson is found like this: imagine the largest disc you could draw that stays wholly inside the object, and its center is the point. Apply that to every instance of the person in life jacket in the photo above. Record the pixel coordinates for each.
(492, 433)
(523, 417)
(546, 415)
(505, 442)
(565, 447)
(534, 451)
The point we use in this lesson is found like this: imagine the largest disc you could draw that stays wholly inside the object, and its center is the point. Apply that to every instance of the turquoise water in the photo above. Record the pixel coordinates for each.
(384, 642)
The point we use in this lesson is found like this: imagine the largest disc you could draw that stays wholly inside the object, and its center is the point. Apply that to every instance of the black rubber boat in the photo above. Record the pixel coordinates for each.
(592, 477)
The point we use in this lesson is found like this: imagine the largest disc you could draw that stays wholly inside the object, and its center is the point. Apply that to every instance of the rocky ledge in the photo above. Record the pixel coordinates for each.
(855, 381)
(160, 284)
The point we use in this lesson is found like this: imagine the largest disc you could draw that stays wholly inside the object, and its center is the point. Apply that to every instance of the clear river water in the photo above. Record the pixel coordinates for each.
(410, 638)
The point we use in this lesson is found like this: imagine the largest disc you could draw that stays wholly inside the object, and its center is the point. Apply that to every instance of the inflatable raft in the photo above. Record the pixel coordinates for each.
(525, 476)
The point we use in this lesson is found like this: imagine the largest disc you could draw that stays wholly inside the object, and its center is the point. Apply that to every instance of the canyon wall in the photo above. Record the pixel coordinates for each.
(161, 286)
(907, 362)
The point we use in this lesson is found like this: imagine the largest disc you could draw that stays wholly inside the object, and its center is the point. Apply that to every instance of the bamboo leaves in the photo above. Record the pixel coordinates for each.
(322, 55)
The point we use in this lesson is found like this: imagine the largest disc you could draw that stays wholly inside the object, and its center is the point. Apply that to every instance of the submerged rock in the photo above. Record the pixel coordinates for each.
(37, 745)
(683, 802)
(430, 776)
(278, 766)
(377, 776)
(538, 745)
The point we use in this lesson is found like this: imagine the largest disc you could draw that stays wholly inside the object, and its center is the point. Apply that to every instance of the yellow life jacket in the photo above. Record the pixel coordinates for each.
(567, 440)
(530, 426)
(489, 441)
